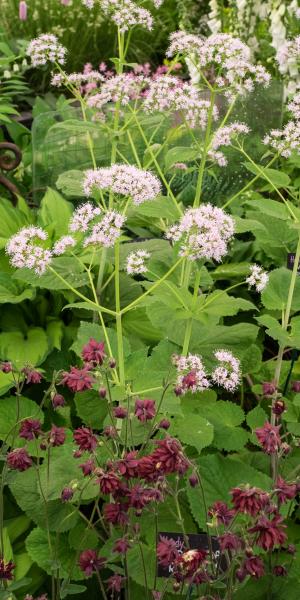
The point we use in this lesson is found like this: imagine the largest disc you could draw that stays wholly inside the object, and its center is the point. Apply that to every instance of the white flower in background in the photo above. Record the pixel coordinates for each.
(46, 48)
(258, 278)
(191, 375)
(76, 79)
(126, 180)
(294, 106)
(106, 231)
(25, 252)
(203, 233)
(227, 373)
(135, 263)
(60, 246)
(224, 137)
(285, 140)
(214, 20)
(125, 13)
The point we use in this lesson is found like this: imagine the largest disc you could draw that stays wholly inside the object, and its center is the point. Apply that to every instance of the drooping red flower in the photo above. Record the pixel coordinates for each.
(296, 386)
(189, 380)
(270, 532)
(221, 512)
(108, 481)
(30, 429)
(121, 545)
(193, 480)
(148, 468)
(280, 571)
(94, 352)
(116, 513)
(190, 561)
(110, 432)
(249, 500)
(269, 437)
(278, 408)
(141, 496)
(167, 551)
(6, 367)
(229, 541)
(31, 375)
(169, 456)
(253, 566)
(19, 459)
(115, 583)
(285, 491)
(6, 570)
(89, 562)
(144, 410)
(57, 436)
(78, 380)
(57, 401)
(87, 467)
(128, 466)
(85, 439)
(67, 494)
(120, 412)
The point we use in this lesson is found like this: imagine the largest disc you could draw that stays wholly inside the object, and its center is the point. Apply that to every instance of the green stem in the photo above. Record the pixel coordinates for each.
(119, 315)
(205, 150)
(189, 326)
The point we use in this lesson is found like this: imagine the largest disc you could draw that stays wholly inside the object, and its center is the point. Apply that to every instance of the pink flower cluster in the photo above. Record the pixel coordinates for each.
(46, 48)
(227, 373)
(169, 93)
(223, 137)
(192, 376)
(294, 106)
(184, 43)
(126, 180)
(135, 263)
(203, 233)
(82, 217)
(76, 79)
(258, 278)
(106, 231)
(125, 13)
(286, 140)
(120, 88)
(24, 252)
(288, 54)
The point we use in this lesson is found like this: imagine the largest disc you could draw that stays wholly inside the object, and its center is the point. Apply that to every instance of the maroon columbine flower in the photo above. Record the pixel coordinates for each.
(110, 432)
(269, 388)
(270, 532)
(164, 424)
(291, 549)
(67, 494)
(89, 562)
(32, 376)
(57, 436)
(140, 496)
(269, 438)
(166, 550)
(128, 466)
(285, 491)
(94, 352)
(6, 367)
(295, 386)
(278, 408)
(87, 467)
(108, 482)
(85, 439)
(190, 561)
(169, 456)
(249, 500)
(30, 429)
(116, 513)
(144, 410)
(253, 566)
(6, 570)
(221, 512)
(189, 380)
(120, 412)
(58, 400)
(279, 571)
(121, 546)
(148, 468)
(229, 541)
(19, 459)
(115, 583)
(78, 380)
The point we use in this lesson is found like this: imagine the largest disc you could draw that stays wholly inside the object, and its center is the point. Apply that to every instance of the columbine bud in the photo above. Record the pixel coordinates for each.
(67, 494)
(193, 480)
(102, 392)
(296, 386)
(269, 388)
(6, 367)
(112, 363)
(58, 400)
(278, 407)
(178, 390)
(164, 424)
(285, 448)
(291, 549)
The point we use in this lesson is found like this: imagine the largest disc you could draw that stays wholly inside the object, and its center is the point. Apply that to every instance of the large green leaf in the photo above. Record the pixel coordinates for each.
(12, 292)
(64, 469)
(37, 546)
(274, 296)
(91, 408)
(21, 349)
(11, 220)
(193, 430)
(67, 267)
(54, 213)
(219, 474)
(13, 411)
(70, 183)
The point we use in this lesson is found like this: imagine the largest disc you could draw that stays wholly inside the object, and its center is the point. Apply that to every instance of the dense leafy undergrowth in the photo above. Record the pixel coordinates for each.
(149, 329)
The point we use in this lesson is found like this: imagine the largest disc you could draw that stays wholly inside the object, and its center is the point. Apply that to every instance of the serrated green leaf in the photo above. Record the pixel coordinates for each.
(193, 430)
(91, 408)
(274, 296)
(13, 411)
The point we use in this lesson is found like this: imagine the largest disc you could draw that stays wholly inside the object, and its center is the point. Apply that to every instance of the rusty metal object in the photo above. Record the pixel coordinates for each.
(9, 163)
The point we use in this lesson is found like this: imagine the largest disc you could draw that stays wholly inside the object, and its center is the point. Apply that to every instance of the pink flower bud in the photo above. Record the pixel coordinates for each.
(22, 10)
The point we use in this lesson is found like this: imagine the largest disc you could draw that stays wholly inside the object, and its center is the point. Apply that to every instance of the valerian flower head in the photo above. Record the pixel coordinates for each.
(61, 245)
(126, 180)
(124, 13)
(106, 231)
(23, 250)
(191, 375)
(223, 137)
(258, 278)
(76, 79)
(203, 233)
(120, 88)
(46, 48)
(82, 216)
(135, 262)
(184, 43)
(286, 140)
(169, 93)
(227, 373)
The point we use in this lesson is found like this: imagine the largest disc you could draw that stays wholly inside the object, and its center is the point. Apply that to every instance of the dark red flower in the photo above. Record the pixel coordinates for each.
(285, 491)
(121, 546)
(144, 410)
(269, 388)
(115, 583)
(279, 571)
(6, 367)
(128, 466)
(249, 500)
(221, 512)
(140, 496)
(164, 424)
(112, 363)
(94, 352)
(32, 376)
(85, 439)
(6, 570)
(108, 481)
(89, 562)
(110, 432)
(67, 494)
(167, 551)
(270, 532)
(148, 468)
(120, 412)
(291, 549)
(116, 513)
(30, 429)
(102, 392)
(253, 566)
(78, 380)
(190, 561)
(193, 480)
(278, 408)
(295, 386)
(229, 541)
(19, 459)
(189, 380)
(57, 436)
(269, 438)
(169, 457)
(58, 400)
(88, 467)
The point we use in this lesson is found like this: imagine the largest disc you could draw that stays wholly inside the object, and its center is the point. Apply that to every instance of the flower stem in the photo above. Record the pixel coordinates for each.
(119, 315)
(205, 150)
